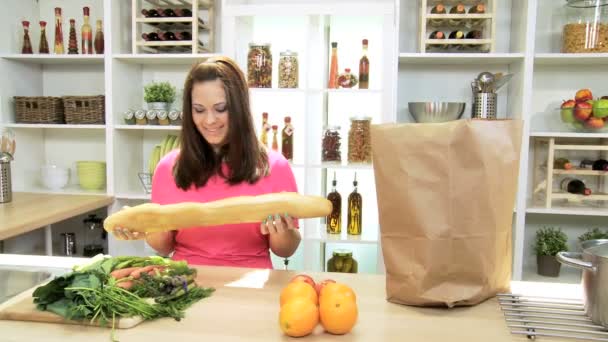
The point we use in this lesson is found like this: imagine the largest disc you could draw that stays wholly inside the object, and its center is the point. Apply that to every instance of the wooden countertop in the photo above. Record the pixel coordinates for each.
(245, 307)
(30, 211)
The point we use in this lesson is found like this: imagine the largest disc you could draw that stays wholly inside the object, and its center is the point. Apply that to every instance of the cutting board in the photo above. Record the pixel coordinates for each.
(22, 308)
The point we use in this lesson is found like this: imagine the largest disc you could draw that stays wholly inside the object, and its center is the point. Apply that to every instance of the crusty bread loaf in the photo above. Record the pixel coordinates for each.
(151, 217)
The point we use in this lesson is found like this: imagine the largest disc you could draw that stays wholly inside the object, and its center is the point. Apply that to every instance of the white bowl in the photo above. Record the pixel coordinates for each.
(54, 177)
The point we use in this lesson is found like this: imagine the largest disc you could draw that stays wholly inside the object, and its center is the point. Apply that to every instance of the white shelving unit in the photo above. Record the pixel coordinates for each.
(527, 44)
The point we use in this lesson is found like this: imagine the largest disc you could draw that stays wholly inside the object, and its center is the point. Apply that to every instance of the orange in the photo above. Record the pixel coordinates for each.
(338, 313)
(299, 289)
(298, 317)
(337, 288)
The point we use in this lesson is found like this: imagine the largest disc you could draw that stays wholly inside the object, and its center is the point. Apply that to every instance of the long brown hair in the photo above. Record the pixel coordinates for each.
(246, 158)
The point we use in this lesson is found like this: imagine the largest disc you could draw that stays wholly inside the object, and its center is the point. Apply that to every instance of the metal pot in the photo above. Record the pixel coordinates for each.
(594, 263)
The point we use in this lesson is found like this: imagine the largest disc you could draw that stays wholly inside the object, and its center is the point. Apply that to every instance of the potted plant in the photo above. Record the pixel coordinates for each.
(159, 95)
(549, 241)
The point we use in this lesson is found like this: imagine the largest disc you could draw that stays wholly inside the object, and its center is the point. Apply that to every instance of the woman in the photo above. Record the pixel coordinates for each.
(219, 157)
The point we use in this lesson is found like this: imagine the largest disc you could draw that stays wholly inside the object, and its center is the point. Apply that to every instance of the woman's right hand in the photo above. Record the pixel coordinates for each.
(122, 233)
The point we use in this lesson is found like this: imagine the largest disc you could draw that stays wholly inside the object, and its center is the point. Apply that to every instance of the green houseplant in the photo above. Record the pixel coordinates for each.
(549, 241)
(159, 95)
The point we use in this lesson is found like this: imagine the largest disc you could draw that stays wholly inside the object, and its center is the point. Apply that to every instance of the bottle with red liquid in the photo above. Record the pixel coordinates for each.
(99, 39)
(27, 43)
(87, 34)
(575, 186)
(72, 42)
(151, 37)
(287, 140)
(275, 141)
(43, 46)
(364, 68)
(58, 32)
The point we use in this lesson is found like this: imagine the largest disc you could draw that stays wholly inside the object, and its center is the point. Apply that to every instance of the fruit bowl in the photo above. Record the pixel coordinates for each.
(426, 112)
(585, 114)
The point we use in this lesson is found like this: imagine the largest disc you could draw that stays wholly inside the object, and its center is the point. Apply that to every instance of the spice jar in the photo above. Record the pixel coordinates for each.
(331, 145)
(288, 69)
(152, 116)
(259, 66)
(174, 117)
(342, 261)
(129, 117)
(140, 117)
(586, 26)
(346, 79)
(359, 140)
(163, 117)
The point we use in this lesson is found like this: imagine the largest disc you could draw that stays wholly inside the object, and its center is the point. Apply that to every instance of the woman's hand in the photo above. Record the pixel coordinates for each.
(277, 224)
(125, 234)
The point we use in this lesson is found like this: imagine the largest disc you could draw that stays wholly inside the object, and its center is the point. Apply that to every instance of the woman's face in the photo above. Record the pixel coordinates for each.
(209, 111)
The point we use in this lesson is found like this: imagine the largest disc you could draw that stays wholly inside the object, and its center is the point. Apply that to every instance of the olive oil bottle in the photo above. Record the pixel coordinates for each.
(334, 220)
(354, 210)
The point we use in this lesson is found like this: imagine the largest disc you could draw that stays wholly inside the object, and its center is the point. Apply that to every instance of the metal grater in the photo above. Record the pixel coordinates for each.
(550, 317)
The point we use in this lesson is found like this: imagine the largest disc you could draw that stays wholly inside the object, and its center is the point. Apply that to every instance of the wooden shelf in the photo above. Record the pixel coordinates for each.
(461, 58)
(52, 126)
(582, 172)
(55, 59)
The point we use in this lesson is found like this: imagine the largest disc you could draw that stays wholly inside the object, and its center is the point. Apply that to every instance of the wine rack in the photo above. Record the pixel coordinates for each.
(466, 22)
(599, 195)
(197, 26)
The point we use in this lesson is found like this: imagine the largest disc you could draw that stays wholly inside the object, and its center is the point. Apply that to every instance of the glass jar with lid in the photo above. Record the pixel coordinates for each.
(330, 145)
(342, 261)
(585, 27)
(140, 117)
(359, 140)
(259, 66)
(288, 69)
(152, 116)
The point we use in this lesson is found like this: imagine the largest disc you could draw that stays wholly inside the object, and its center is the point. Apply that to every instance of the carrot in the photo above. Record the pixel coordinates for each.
(125, 284)
(122, 273)
(137, 273)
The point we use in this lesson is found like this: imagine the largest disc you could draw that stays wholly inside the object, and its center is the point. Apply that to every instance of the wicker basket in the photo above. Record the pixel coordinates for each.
(38, 109)
(84, 109)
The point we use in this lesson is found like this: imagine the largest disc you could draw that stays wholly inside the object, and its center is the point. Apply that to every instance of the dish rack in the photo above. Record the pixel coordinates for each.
(544, 167)
(146, 181)
(200, 26)
(485, 22)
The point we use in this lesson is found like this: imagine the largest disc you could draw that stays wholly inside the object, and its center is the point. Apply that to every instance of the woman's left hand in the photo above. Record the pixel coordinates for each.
(277, 224)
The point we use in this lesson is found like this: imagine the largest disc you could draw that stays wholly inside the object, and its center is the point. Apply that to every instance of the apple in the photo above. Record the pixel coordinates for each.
(582, 111)
(595, 123)
(600, 108)
(583, 95)
(322, 284)
(304, 278)
(567, 111)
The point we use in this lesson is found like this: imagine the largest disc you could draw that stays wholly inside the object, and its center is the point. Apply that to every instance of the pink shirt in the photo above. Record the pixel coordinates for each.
(241, 245)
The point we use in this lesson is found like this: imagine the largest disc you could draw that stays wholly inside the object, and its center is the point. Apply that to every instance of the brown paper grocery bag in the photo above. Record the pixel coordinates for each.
(446, 193)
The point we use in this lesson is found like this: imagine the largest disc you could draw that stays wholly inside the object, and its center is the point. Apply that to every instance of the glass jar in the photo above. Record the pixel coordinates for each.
(140, 117)
(331, 145)
(152, 116)
(129, 117)
(359, 140)
(342, 261)
(163, 117)
(586, 26)
(174, 117)
(288, 69)
(259, 66)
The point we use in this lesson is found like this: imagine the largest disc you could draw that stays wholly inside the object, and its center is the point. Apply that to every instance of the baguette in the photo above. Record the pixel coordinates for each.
(152, 217)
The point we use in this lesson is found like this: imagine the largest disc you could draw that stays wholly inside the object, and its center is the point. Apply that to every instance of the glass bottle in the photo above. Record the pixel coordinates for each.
(72, 42)
(562, 164)
(334, 220)
(58, 32)
(275, 142)
(99, 39)
(477, 9)
(364, 68)
(458, 9)
(87, 34)
(288, 69)
(43, 47)
(330, 145)
(355, 205)
(437, 9)
(259, 66)
(27, 43)
(585, 26)
(574, 186)
(333, 69)
(287, 140)
(600, 165)
(265, 129)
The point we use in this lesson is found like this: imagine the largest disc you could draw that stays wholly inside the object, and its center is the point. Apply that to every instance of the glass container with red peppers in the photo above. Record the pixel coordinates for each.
(331, 145)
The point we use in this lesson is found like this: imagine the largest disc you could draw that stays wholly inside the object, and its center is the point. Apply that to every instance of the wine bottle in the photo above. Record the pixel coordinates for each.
(562, 164)
(334, 220)
(184, 12)
(185, 35)
(167, 12)
(437, 9)
(475, 34)
(477, 9)
(355, 204)
(458, 9)
(151, 37)
(457, 35)
(575, 186)
(151, 13)
(167, 36)
(437, 35)
(364, 68)
(600, 165)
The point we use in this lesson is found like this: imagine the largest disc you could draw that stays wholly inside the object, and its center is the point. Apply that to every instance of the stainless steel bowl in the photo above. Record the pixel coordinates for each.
(425, 112)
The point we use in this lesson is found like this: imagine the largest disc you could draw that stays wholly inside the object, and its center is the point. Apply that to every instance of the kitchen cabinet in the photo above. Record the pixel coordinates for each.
(526, 45)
